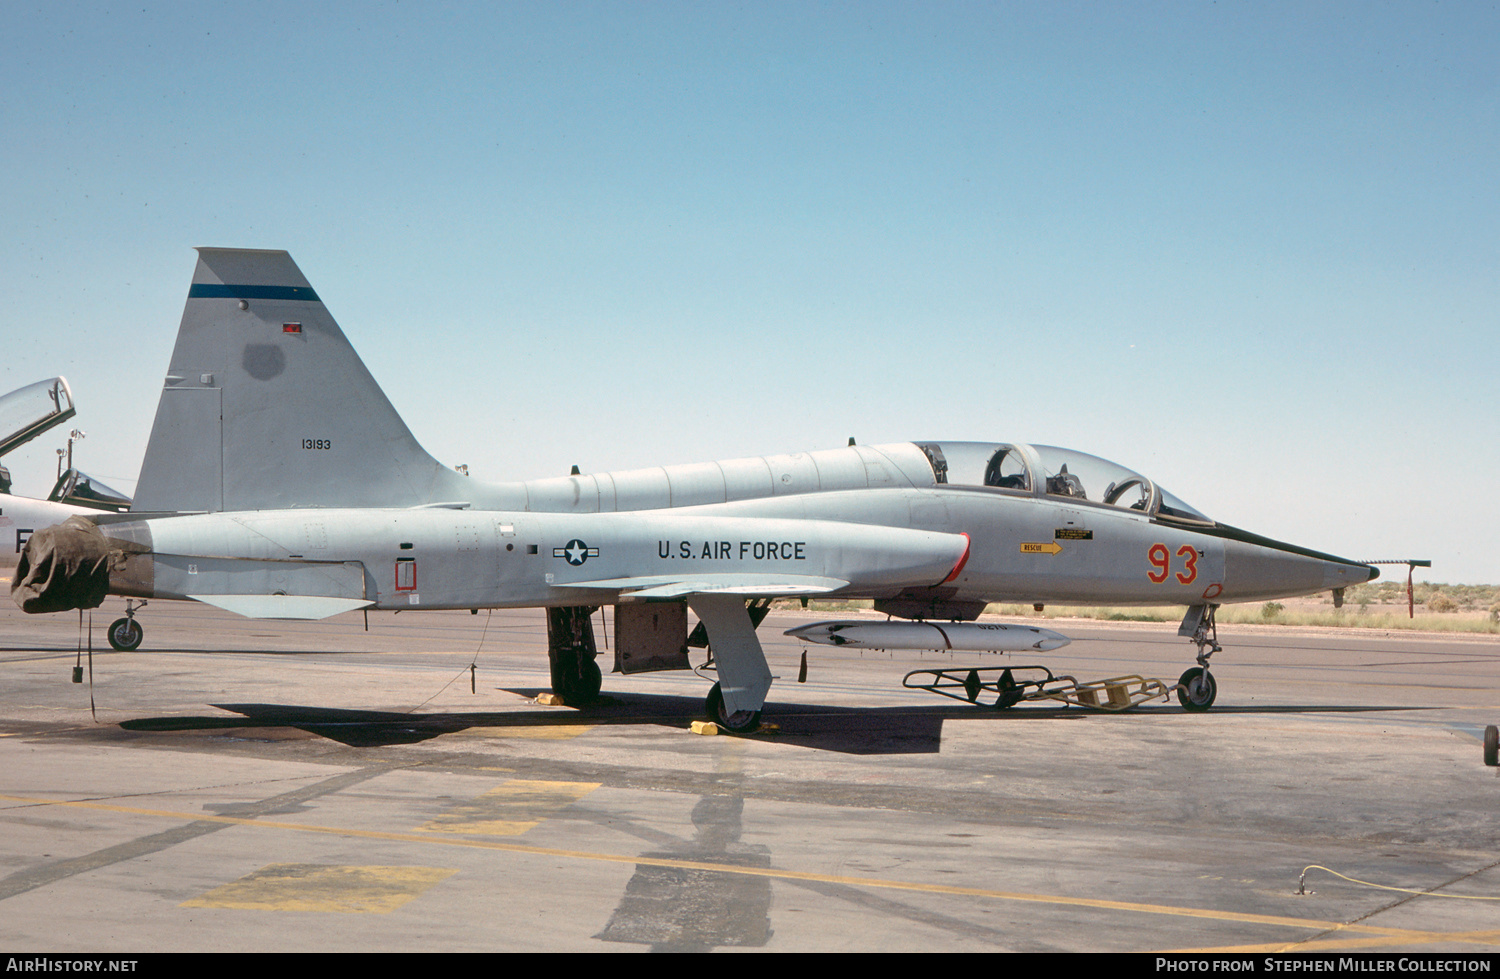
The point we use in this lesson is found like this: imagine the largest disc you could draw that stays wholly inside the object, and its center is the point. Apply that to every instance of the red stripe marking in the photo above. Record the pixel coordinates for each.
(961, 561)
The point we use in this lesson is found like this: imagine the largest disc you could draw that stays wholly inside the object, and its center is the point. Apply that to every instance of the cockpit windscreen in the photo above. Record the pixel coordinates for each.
(1053, 472)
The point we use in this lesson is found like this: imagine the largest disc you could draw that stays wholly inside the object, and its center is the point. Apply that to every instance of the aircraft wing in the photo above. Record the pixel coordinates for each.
(748, 584)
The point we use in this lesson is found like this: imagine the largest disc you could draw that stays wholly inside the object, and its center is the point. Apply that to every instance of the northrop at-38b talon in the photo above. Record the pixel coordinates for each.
(280, 483)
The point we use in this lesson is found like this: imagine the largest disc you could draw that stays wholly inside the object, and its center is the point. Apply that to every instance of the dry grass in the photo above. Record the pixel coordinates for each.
(1298, 614)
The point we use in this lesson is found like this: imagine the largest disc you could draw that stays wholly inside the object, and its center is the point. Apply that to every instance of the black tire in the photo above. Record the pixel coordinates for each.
(562, 683)
(740, 722)
(1197, 689)
(591, 680)
(125, 634)
(1491, 745)
(580, 686)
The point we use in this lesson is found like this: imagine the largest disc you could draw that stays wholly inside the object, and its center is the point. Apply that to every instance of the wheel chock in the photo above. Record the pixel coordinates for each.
(709, 727)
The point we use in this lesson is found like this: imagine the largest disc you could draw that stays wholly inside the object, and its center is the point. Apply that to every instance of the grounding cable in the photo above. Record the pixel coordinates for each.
(470, 669)
(1387, 887)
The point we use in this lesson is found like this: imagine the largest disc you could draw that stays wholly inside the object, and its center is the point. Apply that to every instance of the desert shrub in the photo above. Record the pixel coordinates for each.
(1270, 610)
(1438, 602)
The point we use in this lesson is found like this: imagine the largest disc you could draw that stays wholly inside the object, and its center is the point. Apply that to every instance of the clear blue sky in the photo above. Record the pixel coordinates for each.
(1250, 249)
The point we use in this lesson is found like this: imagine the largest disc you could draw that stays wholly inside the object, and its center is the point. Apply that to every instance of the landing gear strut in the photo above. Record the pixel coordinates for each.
(737, 658)
(1196, 689)
(570, 653)
(126, 634)
(737, 722)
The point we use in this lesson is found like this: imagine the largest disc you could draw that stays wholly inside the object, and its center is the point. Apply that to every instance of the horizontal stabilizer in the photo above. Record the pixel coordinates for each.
(282, 606)
(747, 584)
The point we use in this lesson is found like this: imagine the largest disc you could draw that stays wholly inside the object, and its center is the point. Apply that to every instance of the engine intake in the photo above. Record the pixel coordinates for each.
(65, 567)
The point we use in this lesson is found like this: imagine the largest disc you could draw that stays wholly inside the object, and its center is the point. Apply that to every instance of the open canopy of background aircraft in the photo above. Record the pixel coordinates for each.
(280, 482)
(26, 413)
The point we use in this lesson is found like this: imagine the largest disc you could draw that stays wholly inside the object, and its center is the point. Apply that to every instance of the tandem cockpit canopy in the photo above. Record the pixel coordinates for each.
(1046, 470)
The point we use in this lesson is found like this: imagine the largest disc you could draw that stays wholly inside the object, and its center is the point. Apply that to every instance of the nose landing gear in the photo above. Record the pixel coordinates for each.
(125, 634)
(1196, 689)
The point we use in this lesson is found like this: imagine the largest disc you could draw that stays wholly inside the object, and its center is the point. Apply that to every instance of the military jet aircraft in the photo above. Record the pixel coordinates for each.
(280, 482)
(26, 413)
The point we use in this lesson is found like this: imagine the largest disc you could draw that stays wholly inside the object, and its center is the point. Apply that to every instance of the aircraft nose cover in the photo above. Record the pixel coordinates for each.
(63, 567)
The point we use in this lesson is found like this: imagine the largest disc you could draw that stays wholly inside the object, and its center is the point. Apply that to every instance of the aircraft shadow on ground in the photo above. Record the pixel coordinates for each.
(915, 729)
(103, 652)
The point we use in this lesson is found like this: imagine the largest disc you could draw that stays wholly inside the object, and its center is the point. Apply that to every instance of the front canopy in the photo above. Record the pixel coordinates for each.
(1046, 470)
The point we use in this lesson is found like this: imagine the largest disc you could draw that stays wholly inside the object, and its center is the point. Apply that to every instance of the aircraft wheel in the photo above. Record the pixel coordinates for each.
(740, 722)
(125, 634)
(591, 679)
(578, 687)
(1198, 689)
(562, 684)
(1491, 745)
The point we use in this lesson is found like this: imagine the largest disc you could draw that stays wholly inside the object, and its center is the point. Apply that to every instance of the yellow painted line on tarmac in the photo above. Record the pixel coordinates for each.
(1331, 944)
(262, 650)
(535, 652)
(320, 887)
(511, 809)
(1394, 935)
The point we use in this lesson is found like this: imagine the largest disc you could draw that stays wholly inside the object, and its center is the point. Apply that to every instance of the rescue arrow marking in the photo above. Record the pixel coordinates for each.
(1051, 547)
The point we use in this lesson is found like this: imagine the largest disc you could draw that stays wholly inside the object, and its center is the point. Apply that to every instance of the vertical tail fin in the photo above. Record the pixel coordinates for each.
(267, 406)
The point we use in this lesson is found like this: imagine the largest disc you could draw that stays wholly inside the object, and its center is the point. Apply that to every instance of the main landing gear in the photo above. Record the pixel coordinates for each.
(737, 659)
(126, 634)
(1196, 689)
(735, 722)
(570, 654)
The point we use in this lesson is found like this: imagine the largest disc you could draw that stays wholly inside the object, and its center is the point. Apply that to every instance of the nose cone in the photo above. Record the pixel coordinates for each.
(1258, 568)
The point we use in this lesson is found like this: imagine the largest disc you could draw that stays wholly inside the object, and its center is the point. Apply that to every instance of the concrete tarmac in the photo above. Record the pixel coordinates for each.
(241, 785)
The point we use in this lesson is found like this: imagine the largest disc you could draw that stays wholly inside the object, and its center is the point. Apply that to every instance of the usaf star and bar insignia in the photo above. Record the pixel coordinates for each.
(576, 552)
